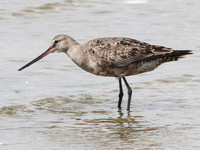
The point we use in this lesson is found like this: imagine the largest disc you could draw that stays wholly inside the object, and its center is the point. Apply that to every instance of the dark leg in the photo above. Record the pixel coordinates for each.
(129, 93)
(120, 93)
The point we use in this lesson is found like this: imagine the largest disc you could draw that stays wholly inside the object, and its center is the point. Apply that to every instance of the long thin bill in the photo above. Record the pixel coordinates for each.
(48, 51)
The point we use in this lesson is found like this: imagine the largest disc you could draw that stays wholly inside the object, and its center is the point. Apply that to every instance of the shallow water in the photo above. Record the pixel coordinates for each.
(55, 105)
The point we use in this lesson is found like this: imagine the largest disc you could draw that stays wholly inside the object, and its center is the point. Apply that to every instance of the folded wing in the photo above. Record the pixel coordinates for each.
(119, 52)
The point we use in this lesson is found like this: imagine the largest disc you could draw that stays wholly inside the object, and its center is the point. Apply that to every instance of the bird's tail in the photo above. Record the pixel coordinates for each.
(176, 54)
(158, 59)
(168, 56)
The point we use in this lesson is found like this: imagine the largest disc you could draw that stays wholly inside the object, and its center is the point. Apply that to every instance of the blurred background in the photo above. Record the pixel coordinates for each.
(54, 105)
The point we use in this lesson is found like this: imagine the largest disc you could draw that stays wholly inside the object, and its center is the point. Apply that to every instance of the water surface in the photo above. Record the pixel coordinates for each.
(55, 105)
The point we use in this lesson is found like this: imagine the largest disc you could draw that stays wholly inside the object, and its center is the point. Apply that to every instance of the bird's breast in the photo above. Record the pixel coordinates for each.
(96, 67)
(131, 69)
(100, 70)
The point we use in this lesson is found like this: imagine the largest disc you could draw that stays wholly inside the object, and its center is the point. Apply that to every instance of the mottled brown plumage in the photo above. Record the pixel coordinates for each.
(128, 55)
(114, 57)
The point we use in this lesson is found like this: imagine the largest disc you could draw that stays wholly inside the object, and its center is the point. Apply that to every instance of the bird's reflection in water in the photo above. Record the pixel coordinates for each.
(124, 125)
(120, 126)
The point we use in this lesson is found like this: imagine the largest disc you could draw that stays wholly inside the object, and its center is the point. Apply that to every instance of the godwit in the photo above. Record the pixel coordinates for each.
(113, 57)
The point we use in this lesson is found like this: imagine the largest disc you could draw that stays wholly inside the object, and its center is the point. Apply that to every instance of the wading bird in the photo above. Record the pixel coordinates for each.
(113, 57)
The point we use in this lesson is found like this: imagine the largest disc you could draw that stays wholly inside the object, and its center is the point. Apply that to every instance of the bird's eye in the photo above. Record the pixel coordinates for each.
(56, 41)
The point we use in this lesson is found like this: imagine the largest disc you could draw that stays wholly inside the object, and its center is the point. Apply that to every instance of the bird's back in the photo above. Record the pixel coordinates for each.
(126, 56)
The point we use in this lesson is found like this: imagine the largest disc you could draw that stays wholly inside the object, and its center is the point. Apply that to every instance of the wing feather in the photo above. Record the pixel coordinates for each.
(119, 52)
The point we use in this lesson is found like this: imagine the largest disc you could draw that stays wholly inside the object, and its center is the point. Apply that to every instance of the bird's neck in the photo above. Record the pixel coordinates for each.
(76, 53)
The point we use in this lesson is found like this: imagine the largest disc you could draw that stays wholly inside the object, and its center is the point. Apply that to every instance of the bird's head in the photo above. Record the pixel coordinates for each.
(60, 43)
